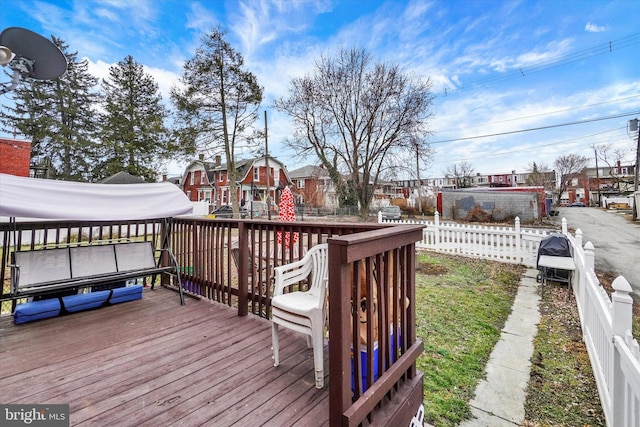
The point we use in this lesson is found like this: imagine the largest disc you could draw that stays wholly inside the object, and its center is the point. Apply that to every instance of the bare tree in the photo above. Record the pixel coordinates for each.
(462, 173)
(568, 168)
(355, 115)
(611, 158)
(218, 102)
(538, 176)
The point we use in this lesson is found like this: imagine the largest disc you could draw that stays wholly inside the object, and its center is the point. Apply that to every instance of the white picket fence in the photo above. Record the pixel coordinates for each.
(514, 245)
(606, 326)
(606, 322)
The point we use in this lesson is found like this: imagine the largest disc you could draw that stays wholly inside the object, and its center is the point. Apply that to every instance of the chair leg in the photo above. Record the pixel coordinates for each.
(275, 344)
(318, 358)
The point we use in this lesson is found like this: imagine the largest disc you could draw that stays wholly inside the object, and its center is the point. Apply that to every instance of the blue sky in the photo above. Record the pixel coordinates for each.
(497, 67)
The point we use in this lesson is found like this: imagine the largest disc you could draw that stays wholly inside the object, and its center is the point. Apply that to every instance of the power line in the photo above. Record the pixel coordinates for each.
(616, 116)
(555, 112)
(538, 146)
(580, 55)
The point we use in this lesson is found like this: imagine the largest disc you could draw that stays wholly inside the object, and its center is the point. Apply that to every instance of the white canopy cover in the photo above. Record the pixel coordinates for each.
(44, 198)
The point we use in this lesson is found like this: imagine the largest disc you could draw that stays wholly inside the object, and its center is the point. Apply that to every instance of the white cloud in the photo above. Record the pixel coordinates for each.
(593, 28)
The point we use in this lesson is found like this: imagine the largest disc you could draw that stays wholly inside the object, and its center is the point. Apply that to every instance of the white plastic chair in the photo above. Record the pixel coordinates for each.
(302, 311)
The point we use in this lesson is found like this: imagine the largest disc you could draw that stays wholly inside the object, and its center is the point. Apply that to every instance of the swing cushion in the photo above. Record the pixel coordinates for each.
(125, 294)
(36, 310)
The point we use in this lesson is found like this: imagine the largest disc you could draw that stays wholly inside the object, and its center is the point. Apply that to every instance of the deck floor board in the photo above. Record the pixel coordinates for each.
(154, 362)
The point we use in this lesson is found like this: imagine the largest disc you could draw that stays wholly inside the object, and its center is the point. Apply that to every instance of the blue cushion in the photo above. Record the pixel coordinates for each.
(35, 310)
(80, 302)
(128, 293)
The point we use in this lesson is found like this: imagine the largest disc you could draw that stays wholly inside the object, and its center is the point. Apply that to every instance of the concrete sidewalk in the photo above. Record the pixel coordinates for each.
(499, 398)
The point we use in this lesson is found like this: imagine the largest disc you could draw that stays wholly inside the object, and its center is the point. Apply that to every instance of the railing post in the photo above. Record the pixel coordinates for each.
(518, 240)
(564, 226)
(621, 315)
(621, 306)
(589, 257)
(379, 217)
(579, 237)
(436, 220)
(587, 268)
(339, 331)
(243, 269)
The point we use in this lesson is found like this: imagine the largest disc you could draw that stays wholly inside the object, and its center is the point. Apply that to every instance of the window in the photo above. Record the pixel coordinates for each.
(300, 183)
(201, 178)
(256, 174)
(191, 178)
(221, 177)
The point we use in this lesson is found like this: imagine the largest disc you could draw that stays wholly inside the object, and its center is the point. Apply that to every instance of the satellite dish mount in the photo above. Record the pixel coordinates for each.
(29, 55)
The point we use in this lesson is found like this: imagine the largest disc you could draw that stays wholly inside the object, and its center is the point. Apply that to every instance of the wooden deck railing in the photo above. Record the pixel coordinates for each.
(203, 250)
(372, 310)
(380, 374)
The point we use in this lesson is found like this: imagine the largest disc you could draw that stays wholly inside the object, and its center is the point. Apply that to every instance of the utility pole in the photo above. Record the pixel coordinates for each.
(597, 177)
(633, 126)
(266, 159)
(419, 181)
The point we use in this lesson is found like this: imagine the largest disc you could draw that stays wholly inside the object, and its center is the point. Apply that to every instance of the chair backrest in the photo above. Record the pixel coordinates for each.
(320, 266)
(135, 256)
(41, 266)
(87, 261)
(313, 266)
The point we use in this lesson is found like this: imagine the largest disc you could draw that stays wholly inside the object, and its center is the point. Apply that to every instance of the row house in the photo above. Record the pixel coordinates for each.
(592, 185)
(312, 187)
(209, 181)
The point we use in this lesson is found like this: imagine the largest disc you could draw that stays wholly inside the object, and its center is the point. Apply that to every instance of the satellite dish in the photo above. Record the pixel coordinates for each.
(29, 55)
(48, 61)
(5, 55)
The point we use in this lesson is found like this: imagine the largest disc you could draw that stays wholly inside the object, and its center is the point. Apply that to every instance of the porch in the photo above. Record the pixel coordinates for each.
(155, 362)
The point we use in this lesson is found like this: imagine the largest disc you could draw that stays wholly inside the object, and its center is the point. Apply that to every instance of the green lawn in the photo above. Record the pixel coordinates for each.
(462, 305)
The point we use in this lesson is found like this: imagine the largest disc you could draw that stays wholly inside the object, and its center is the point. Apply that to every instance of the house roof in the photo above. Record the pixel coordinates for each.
(122, 177)
(309, 171)
(244, 167)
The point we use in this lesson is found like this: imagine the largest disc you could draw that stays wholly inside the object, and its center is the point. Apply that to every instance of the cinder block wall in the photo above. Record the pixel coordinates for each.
(500, 205)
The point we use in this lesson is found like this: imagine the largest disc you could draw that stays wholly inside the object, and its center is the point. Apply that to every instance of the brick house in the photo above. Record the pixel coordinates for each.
(208, 181)
(313, 187)
(15, 156)
(591, 184)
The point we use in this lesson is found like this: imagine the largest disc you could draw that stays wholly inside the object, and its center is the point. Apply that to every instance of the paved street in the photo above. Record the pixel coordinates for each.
(616, 240)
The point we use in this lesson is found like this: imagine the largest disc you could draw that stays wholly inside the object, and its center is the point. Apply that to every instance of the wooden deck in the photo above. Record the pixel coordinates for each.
(153, 362)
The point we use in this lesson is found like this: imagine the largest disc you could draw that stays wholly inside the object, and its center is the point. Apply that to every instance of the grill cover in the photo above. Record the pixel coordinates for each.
(555, 245)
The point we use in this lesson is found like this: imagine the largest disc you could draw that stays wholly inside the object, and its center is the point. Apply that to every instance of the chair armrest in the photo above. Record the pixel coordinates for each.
(290, 274)
(15, 277)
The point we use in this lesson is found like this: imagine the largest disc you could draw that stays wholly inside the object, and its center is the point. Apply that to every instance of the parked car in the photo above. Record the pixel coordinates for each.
(576, 205)
(391, 212)
(226, 211)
